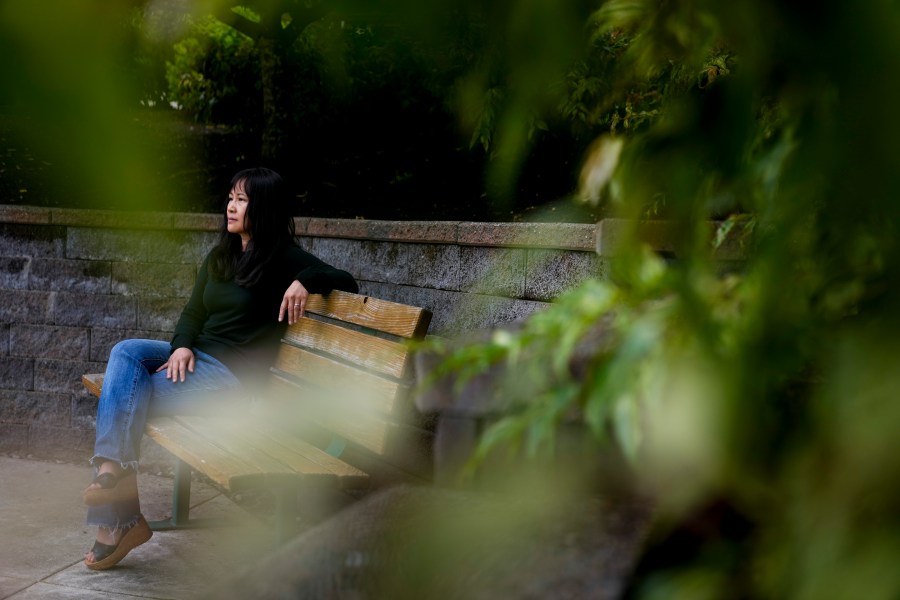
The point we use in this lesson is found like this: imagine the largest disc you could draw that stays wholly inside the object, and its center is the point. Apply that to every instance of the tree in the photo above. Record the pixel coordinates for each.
(274, 26)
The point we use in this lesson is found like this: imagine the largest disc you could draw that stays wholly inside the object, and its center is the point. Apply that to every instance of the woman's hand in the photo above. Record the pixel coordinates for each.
(179, 364)
(294, 303)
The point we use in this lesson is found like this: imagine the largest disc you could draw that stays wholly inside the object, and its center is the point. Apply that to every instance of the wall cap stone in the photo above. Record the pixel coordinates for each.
(197, 221)
(563, 236)
(341, 228)
(605, 237)
(26, 215)
(81, 217)
(435, 232)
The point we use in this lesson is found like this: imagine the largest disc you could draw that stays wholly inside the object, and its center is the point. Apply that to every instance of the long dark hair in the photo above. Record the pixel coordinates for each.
(269, 222)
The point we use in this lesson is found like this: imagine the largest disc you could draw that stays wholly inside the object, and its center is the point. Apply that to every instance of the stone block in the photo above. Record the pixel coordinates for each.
(548, 273)
(159, 314)
(422, 297)
(61, 443)
(422, 265)
(342, 254)
(13, 438)
(433, 266)
(22, 306)
(495, 271)
(49, 341)
(477, 311)
(123, 245)
(38, 408)
(36, 241)
(384, 261)
(153, 279)
(4, 339)
(93, 310)
(102, 340)
(84, 410)
(62, 376)
(17, 373)
(195, 246)
(109, 245)
(14, 272)
(81, 276)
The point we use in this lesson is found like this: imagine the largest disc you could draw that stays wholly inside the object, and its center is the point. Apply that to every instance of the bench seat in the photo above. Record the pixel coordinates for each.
(338, 394)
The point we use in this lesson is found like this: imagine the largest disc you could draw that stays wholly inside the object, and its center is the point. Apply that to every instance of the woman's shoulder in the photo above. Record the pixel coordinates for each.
(292, 250)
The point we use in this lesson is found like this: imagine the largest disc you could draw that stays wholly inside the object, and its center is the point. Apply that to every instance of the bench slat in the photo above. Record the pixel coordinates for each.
(376, 354)
(366, 429)
(202, 455)
(325, 410)
(406, 446)
(381, 315)
(369, 392)
(299, 458)
(226, 434)
(93, 382)
(349, 477)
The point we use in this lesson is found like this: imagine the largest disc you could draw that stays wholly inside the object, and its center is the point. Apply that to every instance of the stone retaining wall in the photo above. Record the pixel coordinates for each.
(74, 282)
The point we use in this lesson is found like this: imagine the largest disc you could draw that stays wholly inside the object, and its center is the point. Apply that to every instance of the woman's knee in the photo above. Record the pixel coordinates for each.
(139, 349)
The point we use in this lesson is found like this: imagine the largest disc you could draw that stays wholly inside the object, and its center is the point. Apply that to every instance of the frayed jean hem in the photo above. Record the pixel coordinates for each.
(128, 465)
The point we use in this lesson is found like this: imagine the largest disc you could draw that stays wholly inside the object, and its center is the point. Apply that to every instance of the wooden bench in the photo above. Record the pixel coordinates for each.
(336, 415)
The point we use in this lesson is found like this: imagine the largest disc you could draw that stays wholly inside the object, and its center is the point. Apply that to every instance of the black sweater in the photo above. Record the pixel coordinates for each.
(239, 326)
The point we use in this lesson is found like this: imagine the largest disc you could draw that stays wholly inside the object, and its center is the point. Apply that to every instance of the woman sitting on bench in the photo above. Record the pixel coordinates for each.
(253, 278)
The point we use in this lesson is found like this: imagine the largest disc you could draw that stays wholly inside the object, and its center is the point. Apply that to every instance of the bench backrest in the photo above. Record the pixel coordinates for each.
(344, 372)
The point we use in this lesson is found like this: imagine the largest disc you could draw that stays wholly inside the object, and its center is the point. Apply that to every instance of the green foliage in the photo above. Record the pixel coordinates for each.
(771, 387)
(210, 75)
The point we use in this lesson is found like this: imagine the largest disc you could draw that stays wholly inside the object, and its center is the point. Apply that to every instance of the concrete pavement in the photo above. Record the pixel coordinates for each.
(400, 542)
(43, 539)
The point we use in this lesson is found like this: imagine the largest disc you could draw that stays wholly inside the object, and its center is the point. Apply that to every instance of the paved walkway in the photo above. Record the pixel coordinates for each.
(402, 542)
(43, 539)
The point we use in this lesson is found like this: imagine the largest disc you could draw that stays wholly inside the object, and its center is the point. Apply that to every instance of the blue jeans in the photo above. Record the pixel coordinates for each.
(132, 392)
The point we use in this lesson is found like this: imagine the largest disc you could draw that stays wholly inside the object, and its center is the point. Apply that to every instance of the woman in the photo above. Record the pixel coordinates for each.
(226, 336)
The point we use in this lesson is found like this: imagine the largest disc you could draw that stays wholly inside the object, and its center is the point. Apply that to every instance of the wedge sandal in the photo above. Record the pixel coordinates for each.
(106, 556)
(110, 489)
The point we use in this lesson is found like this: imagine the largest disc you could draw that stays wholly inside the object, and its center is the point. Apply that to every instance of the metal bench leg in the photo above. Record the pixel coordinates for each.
(181, 500)
(336, 446)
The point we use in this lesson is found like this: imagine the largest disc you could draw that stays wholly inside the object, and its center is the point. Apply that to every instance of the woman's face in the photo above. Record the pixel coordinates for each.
(237, 211)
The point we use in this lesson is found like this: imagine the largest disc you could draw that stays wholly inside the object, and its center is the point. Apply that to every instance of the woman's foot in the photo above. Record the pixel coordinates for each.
(112, 545)
(112, 484)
